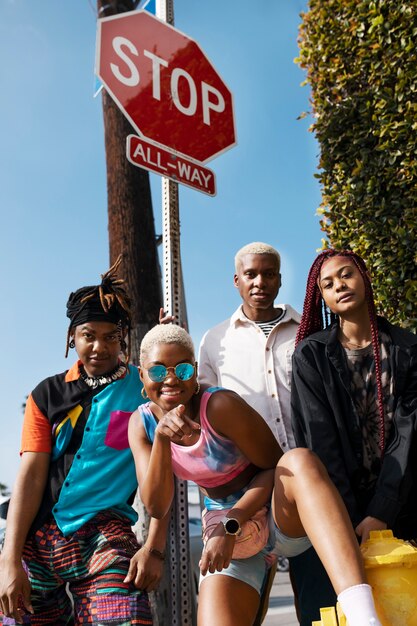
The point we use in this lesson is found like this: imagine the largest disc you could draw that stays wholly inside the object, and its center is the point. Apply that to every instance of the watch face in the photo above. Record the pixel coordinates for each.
(232, 526)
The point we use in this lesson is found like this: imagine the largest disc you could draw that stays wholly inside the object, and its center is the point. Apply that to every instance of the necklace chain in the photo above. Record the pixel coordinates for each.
(98, 381)
(356, 345)
(345, 341)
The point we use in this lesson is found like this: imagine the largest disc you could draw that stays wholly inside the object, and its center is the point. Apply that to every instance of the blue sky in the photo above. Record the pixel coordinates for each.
(53, 236)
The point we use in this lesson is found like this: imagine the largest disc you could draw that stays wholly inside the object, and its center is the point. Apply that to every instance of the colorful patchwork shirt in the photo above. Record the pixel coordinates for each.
(85, 431)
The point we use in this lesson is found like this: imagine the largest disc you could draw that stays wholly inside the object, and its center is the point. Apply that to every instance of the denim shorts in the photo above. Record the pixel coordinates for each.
(288, 546)
(252, 571)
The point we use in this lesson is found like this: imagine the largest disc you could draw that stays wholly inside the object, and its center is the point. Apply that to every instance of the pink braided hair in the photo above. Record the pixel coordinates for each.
(317, 316)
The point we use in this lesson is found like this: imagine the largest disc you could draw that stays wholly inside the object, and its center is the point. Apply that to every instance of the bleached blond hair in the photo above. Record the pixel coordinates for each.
(256, 247)
(165, 333)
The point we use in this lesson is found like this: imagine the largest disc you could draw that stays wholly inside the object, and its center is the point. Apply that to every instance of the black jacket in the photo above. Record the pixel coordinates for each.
(325, 420)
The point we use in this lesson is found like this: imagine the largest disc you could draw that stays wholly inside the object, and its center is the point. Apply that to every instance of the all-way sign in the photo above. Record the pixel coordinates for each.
(156, 159)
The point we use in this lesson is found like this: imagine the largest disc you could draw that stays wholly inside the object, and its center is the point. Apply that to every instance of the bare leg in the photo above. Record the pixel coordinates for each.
(305, 502)
(227, 601)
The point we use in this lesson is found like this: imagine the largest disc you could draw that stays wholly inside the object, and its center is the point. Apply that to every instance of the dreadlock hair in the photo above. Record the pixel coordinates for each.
(316, 316)
(107, 301)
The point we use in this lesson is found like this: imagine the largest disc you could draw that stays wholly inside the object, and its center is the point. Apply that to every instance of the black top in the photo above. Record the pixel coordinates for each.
(325, 420)
(55, 397)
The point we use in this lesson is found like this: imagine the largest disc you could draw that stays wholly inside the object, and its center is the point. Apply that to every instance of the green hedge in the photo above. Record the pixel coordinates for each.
(361, 63)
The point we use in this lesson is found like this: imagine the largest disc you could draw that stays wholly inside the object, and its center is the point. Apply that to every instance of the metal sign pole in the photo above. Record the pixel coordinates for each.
(182, 592)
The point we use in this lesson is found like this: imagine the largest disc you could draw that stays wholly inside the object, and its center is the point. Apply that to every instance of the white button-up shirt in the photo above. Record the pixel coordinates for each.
(236, 355)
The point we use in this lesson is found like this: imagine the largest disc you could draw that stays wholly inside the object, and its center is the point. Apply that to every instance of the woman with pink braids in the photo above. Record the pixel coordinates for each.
(354, 400)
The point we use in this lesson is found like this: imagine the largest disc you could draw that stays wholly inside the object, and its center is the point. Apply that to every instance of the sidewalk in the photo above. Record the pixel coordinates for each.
(281, 610)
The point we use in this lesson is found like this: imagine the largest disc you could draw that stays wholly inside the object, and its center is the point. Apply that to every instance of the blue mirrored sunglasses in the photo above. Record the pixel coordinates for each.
(183, 371)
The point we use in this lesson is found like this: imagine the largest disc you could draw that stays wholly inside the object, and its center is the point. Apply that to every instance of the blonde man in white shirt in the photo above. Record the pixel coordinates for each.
(251, 351)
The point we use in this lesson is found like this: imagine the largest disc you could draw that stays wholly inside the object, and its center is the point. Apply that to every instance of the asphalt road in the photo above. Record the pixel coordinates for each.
(281, 610)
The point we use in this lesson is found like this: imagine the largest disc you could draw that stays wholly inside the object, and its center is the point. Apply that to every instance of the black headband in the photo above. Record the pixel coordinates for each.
(92, 309)
(107, 302)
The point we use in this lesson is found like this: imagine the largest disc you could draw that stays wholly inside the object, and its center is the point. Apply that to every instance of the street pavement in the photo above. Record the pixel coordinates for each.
(281, 610)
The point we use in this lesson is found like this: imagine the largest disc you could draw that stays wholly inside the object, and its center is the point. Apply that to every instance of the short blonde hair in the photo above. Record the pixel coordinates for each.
(256, 247)
(165, 333)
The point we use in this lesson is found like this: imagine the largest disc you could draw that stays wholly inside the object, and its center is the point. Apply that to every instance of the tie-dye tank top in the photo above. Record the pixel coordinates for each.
(212, 461)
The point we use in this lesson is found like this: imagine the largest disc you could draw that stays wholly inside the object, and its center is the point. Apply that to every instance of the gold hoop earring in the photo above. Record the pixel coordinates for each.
(143, 393)
(197, 389)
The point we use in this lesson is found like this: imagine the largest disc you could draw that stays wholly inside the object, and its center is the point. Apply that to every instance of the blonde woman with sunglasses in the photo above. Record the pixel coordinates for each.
(214, 438)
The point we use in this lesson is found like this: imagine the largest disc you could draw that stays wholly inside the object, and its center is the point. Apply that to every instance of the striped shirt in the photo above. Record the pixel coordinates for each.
(266, 327)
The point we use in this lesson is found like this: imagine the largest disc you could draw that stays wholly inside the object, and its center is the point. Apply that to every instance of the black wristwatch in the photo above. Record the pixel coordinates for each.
(231, 526)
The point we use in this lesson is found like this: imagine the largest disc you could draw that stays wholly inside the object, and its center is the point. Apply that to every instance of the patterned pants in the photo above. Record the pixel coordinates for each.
(91, 565)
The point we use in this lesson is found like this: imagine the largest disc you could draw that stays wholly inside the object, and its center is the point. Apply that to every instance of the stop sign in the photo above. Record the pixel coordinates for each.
(165, 85)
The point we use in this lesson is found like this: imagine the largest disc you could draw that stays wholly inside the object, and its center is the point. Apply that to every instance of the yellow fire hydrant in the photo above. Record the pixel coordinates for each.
(328, 617)
(391, 568)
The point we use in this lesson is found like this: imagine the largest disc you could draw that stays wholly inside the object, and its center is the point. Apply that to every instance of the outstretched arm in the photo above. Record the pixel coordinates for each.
(153, 468)
(24, 504)
(153, 460)
(233, 418)
(257, 495)
(218, 550)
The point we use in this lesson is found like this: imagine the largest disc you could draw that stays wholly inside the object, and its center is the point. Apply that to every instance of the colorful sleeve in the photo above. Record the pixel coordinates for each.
(36, 435)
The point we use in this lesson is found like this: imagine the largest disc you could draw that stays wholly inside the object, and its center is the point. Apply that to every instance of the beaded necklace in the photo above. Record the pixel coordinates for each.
(97, 381)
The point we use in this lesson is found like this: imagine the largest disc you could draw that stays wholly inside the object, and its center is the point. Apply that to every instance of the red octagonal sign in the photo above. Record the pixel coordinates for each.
(165, 85)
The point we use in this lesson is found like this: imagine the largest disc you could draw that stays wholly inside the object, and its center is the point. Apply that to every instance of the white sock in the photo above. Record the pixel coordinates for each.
(358, 606)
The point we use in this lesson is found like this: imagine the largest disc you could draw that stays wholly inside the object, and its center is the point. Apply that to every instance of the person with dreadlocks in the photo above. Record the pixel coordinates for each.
(70, 516)
(354, 403)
